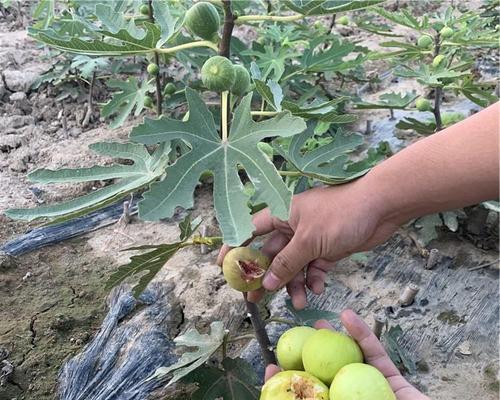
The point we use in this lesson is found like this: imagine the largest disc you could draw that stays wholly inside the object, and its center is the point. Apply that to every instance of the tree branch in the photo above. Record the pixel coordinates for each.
(438, 93)
(159, 97)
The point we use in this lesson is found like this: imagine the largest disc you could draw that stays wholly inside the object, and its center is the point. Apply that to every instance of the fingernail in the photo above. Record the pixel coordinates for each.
(271, 282)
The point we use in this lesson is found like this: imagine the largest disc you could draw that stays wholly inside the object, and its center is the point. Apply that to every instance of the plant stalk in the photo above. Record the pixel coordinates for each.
(159, 95)
(439, 91)
(260, 332)
(224, 104)
(190, 45)
(278, 18)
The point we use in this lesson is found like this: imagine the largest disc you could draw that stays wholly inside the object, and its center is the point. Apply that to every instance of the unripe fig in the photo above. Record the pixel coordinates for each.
(360, 382)
(241, 80)
(446, 32)
(318, 24)
(148, 102)
(424, 41)
(438, 60)
(144, 9)
(203, 20)
(170, 88)
(423, 104)
(244, 267)
(326, 351)
(294, 385)
(343, 20)
(217, 74)
(289, 347)
(153, 69)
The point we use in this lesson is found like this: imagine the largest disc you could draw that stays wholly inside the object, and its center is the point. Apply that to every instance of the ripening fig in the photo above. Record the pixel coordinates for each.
(423, 104)
(360, 382)
(244, 267)
(294, 385)
(289, 347)
(144, 9)
(438, 60)
(326, 351)
(424, 41)
(153, 69)
(446, 32)
(343, 20)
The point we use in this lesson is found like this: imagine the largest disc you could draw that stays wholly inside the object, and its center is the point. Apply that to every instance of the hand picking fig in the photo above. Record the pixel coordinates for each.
(289, 347)
(294, 385)
(325, 352)
(244, 267)
(360, 382)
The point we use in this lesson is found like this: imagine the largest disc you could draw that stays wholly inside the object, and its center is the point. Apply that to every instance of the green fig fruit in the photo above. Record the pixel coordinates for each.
(438, 60)
(144, 9)
(289, 347)
(244, 267)
(153, 69)
(423, 104)
(360, 382)
(446, 32)
(326, 351)
(424, 41)
(343, 20)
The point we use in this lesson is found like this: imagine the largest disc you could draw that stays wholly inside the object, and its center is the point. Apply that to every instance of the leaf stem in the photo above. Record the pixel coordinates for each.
(224, 112)
(278, 18)
(241, 337)
(281, 321)
(291, 173)
(265, 113)
(190, 45)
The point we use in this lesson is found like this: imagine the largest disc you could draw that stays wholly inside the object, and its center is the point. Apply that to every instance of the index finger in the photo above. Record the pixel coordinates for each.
(263, 222)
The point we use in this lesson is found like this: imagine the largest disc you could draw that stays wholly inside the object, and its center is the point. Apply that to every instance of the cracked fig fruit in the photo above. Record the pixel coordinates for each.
(294, 385)
(325, 352)
(360, 382)
(244, 267)
(289, 347)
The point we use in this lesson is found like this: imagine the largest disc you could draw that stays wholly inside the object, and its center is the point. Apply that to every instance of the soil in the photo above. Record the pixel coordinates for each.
(53, 299)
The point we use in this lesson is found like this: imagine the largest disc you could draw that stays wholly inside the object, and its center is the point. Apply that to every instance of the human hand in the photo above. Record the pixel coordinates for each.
(326, 224)
(374, 354)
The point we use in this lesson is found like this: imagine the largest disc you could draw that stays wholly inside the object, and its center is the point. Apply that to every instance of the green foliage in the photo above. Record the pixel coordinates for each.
(320, 7)
(398, 354)
(210, 153)
(205, 344)
(308, 316)
(235, 380)
(395, 101)
(130, 95)
(145, 169)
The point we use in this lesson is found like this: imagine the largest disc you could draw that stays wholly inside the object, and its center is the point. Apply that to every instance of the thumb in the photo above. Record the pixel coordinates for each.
(287, 263)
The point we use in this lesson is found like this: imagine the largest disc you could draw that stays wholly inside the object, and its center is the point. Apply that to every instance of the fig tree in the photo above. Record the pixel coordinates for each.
(294, 385)
(244, 267)
(423, 104)
(424, 41)
(203, 20)
(343, 20)
(289, 347)
(326, 351)
(360, 382)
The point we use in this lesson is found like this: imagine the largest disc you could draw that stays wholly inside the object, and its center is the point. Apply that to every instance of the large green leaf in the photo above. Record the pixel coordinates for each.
(321, 7)
(168, 22)
(222, 158)
(237, 380)
(389, 100)
(434, 77)
(321, 111)
(403, 17)
(145, 169)
(114, 22)
(205, 345)
(327, 163)
(130, 95)
(121, 43)
(317, 59)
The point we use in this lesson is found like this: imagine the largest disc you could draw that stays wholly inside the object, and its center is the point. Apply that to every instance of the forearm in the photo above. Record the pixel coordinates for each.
(454, 168)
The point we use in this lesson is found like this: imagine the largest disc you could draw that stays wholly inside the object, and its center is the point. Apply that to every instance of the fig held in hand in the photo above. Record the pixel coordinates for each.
(294, 385)
(326, 352)
(289, 347)
(244, 267)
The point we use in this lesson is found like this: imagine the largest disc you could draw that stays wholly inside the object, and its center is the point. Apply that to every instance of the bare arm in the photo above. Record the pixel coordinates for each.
(454, 168)
(450, 169)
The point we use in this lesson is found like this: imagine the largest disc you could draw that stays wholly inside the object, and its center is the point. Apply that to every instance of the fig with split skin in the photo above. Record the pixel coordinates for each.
(294, 385)
(325, 352)
(244, 268)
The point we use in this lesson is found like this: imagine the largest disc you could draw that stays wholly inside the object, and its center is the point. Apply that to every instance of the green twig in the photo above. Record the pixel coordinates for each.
(277, 18)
